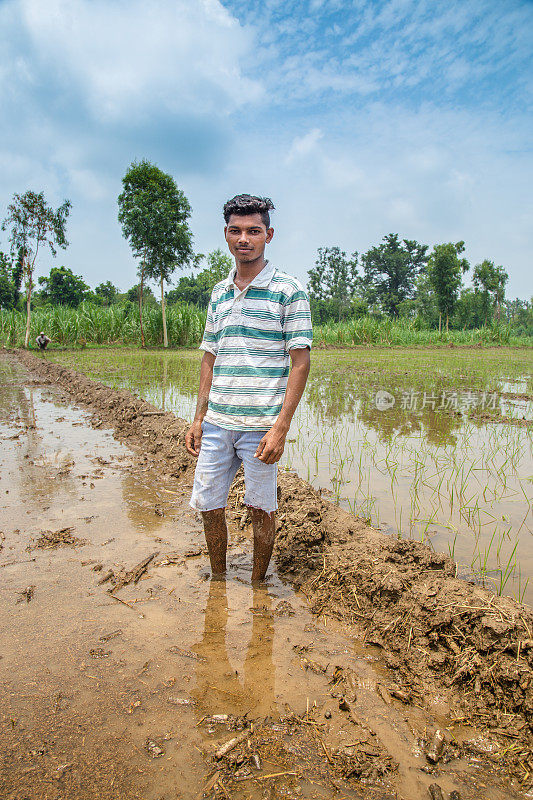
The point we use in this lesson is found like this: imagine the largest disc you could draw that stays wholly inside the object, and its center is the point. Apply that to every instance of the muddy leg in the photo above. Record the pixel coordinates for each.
(264, 525)
(216, 536)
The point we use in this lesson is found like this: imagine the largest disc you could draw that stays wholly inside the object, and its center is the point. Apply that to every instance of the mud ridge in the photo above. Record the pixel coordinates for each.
(438, 635)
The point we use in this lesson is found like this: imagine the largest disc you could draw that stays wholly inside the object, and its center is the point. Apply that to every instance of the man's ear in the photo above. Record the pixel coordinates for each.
(270, 234)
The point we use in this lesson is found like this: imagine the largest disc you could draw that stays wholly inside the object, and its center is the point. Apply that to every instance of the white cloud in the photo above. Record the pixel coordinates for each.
(390, 44)
(304, 145)
(125, 58)
(433, 175)
(358, 133)
(86, 86)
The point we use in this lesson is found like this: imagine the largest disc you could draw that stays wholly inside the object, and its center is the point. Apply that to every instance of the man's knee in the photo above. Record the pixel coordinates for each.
(260, 514)
(263, 522)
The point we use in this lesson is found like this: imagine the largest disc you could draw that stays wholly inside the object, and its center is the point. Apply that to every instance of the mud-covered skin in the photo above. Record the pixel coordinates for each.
(264, 531)
(216, 536)
(436, 633)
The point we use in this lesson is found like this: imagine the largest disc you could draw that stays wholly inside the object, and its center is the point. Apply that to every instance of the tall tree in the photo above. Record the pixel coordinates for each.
(489, 280)
(425, 302)
(218, 266)
(333, 279)
(520, 314)
(390, 271)
(153, 212)
(34, 224)
(63, 288)
(445, 272)
(468, 309)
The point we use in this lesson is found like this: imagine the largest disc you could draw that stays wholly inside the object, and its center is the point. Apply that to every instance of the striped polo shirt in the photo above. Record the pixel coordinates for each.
(251, 333)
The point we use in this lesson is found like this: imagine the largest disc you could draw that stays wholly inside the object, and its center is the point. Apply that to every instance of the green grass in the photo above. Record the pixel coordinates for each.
(96, 325)
(403, 332)
(90, 325)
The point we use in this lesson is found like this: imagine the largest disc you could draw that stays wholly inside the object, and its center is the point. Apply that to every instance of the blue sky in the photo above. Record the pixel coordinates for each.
(358, 118)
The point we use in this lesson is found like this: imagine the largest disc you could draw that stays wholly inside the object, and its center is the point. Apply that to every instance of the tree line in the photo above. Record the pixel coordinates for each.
(153, 212)
(63, 288)
(403, 278)
(398, 278)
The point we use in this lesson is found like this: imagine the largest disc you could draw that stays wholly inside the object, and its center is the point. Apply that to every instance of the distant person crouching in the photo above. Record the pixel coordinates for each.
(42, 341)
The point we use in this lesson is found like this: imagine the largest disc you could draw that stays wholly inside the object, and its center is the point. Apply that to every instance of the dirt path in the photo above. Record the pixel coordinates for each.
(130, 694)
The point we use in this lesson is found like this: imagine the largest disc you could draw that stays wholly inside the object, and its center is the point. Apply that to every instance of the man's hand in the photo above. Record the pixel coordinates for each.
(193, 438)
(271, 447)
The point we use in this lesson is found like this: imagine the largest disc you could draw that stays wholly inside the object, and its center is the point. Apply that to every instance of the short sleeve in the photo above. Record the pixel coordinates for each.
(297, 327)
(209, 342)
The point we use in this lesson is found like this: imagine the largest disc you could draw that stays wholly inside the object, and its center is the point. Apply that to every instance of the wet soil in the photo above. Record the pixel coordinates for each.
(380, 676)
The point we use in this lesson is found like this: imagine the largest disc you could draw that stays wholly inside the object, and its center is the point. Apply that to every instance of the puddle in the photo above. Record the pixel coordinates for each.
(116, 699)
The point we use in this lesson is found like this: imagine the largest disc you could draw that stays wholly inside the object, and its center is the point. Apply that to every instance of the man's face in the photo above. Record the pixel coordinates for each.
(247, 236)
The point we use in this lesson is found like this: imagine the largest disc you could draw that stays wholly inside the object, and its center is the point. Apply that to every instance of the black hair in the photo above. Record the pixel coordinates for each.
(244, 204)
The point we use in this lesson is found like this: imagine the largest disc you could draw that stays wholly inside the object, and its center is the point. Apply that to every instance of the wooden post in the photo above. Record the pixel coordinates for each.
(163, 311)
(141, 302)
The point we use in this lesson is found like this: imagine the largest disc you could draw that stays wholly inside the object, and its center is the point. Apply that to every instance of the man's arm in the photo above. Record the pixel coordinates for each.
(271, 446)
(193, 437)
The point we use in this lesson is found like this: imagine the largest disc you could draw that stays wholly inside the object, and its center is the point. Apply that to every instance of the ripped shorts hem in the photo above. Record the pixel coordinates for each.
(248, 505)
(261, 507)
(208, 508)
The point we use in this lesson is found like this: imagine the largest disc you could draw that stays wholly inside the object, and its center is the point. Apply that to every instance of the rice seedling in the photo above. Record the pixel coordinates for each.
(508, 569)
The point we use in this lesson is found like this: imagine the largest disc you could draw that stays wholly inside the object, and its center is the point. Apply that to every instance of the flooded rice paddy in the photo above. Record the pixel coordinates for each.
(431, 445)
(129, 699)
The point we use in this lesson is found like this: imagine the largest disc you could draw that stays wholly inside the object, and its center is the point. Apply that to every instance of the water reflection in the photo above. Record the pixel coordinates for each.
(144, 502)
(42, 471)
(438, 429)
(15, 404)
(219, 687)
(431, 404)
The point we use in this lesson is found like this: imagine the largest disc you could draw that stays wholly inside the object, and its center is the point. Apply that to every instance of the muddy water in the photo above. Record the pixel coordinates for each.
(115, 699)
(401, 439)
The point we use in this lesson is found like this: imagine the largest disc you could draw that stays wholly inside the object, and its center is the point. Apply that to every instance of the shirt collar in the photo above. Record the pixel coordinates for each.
(261, 280)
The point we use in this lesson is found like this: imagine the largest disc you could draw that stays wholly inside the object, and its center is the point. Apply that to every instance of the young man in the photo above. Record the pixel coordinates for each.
(257, 322)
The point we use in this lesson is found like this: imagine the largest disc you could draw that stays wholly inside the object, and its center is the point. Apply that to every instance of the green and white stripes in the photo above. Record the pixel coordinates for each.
(251, 333)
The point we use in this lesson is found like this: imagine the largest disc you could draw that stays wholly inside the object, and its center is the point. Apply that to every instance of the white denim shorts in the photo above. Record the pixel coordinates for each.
(221, 453)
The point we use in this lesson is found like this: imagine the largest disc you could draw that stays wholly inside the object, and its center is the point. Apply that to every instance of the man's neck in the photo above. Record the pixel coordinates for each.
(247, 271)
